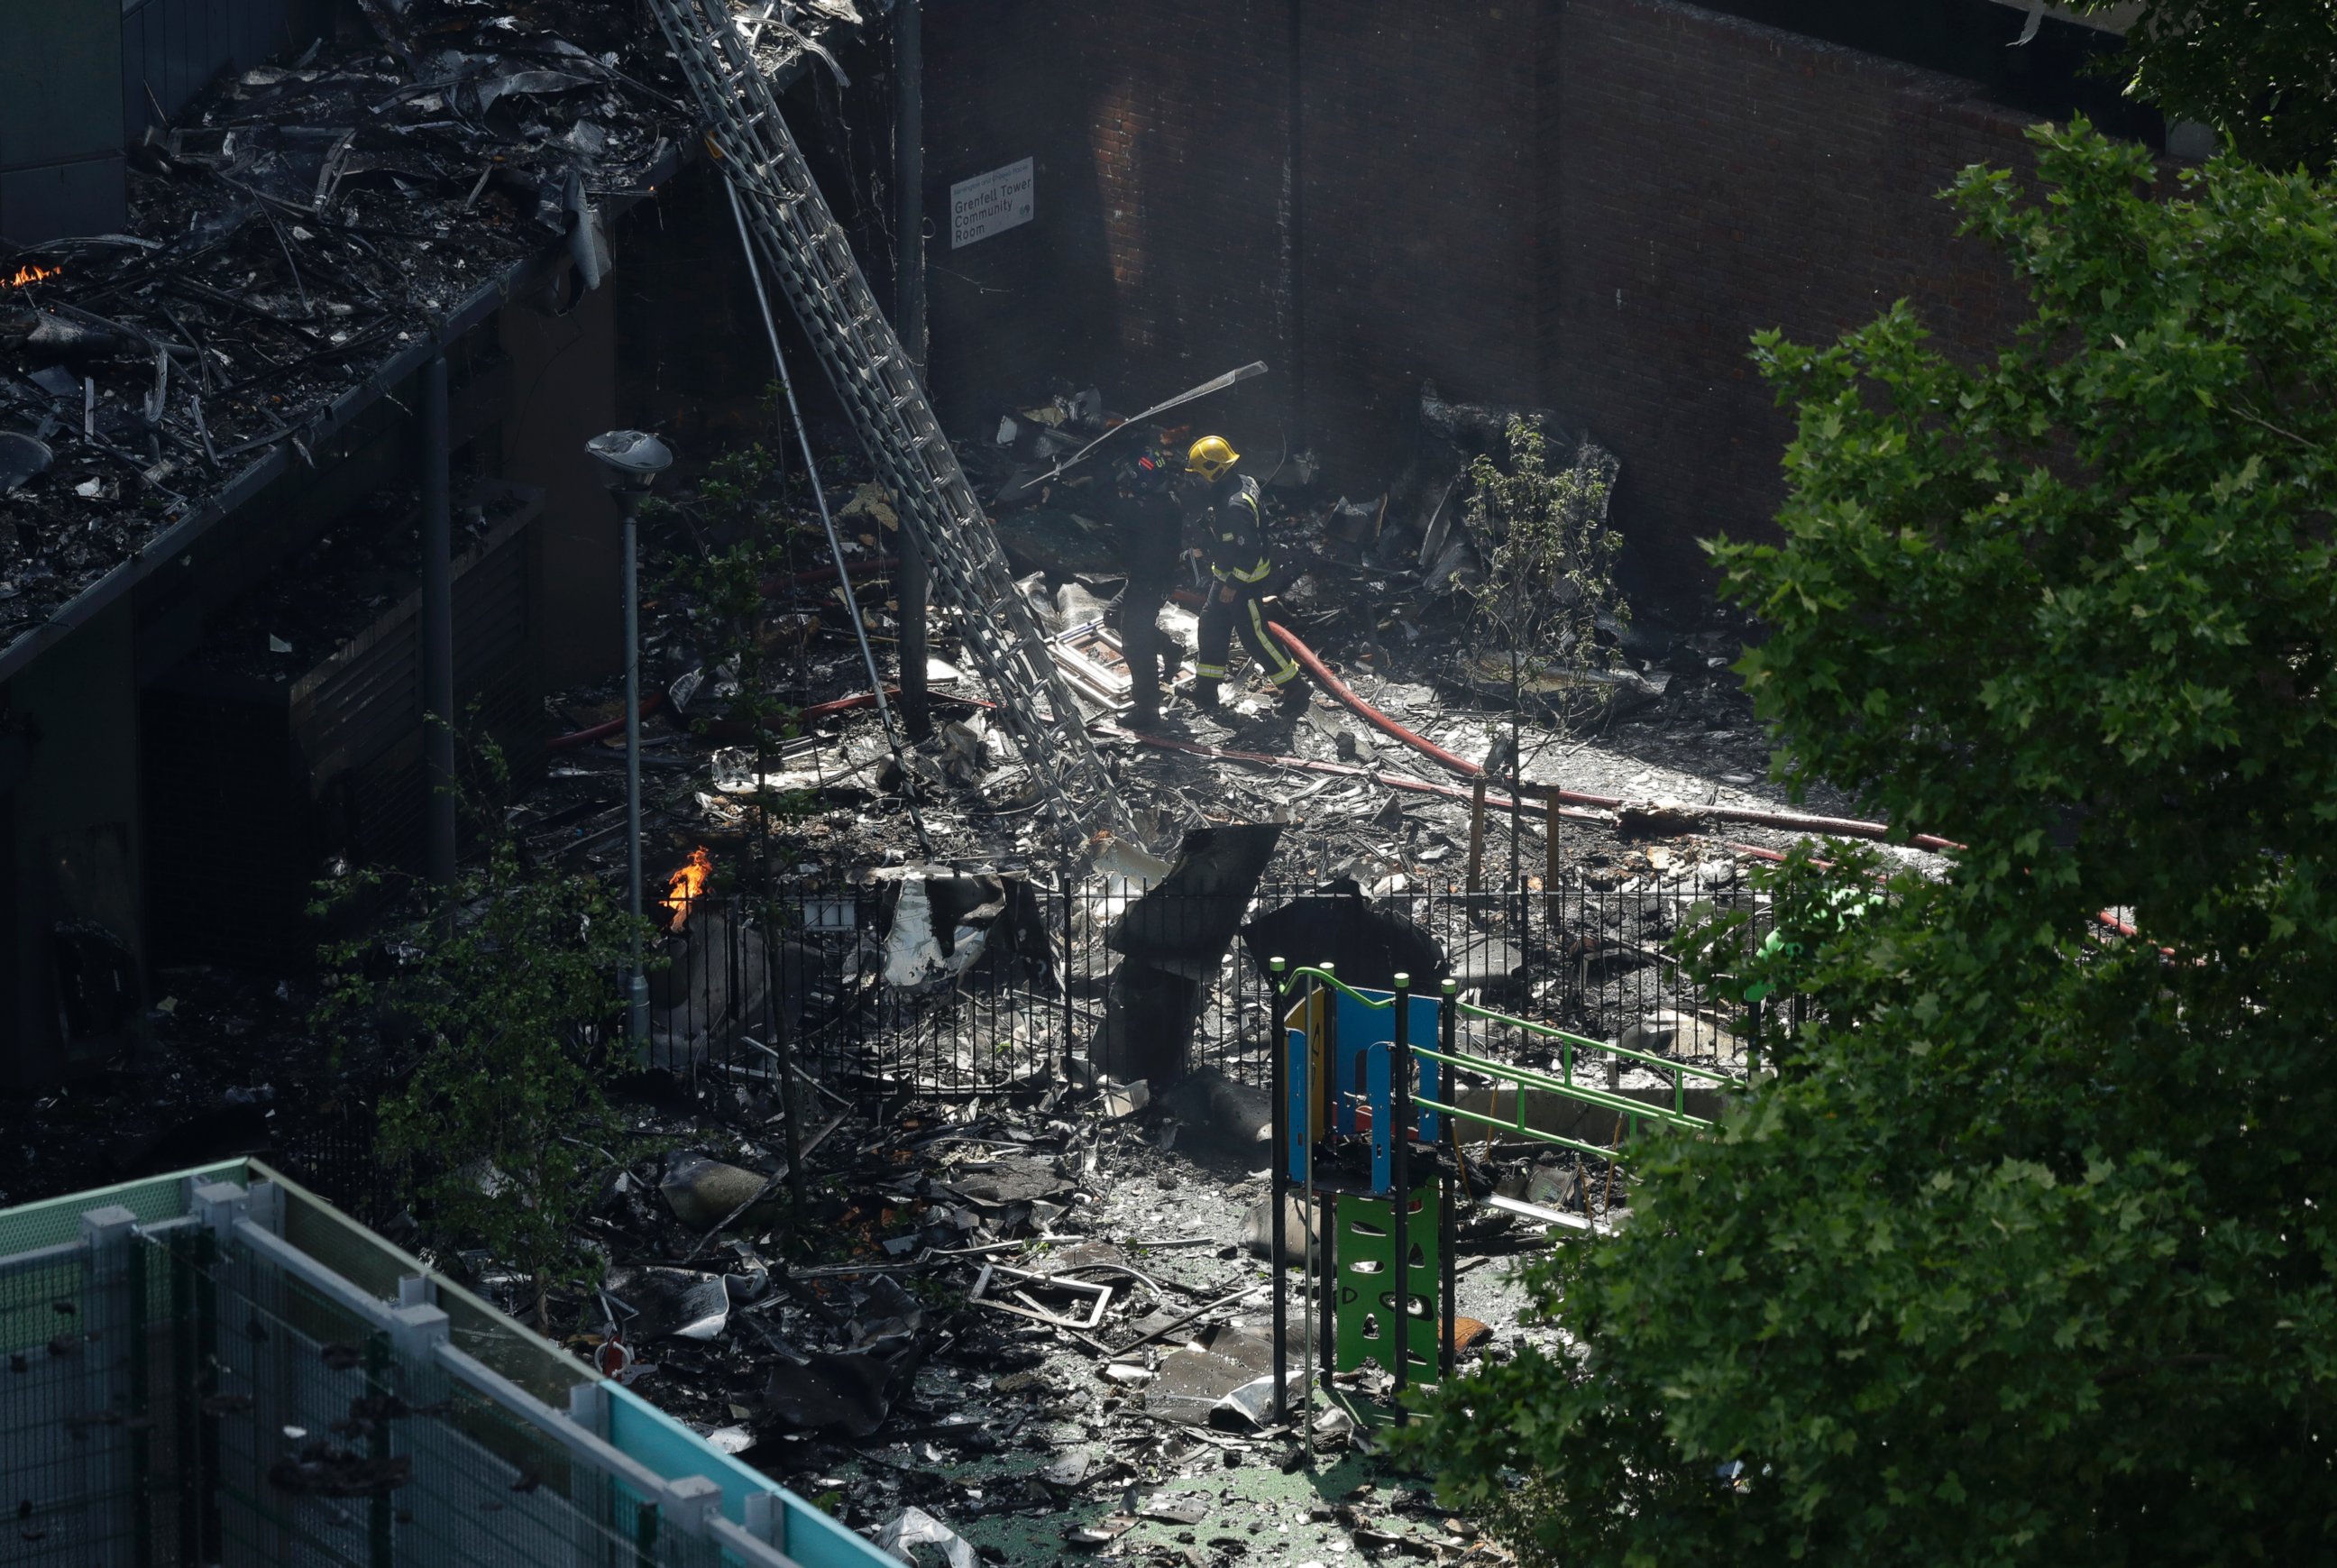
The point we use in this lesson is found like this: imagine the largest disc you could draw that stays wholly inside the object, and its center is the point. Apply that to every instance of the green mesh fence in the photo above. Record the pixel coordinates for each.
(184, 1389)
(69, 1467)
(375, 1267)
(318, 1444)
(52, 1221)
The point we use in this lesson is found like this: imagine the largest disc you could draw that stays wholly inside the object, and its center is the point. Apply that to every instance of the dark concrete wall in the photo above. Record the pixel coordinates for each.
(1156, 256)
(172, 49)
(80, 79)
(563, 392)
(1474, 184)
(61, 169)
(1181, 229)
(73, 836)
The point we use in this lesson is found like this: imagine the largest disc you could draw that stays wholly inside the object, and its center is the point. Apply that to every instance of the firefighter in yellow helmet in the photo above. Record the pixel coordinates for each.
(1234, 545)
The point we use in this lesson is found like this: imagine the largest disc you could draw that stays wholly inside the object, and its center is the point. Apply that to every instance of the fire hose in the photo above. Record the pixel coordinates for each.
(1789, 821)
(1497, 802)
(772, 587)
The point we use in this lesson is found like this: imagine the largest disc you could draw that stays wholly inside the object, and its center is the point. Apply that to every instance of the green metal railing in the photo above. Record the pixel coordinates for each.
(1630, 1113)
(1633, 1115)
(1572, 1044)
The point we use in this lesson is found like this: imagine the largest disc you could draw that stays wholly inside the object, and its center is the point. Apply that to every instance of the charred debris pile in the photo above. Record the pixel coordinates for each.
(1041, 1321)
(295, 233)
(1024, 1305)
(1654, 732)
(794, 798)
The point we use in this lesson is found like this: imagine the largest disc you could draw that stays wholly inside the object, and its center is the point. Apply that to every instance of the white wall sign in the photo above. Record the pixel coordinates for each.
(991, 203)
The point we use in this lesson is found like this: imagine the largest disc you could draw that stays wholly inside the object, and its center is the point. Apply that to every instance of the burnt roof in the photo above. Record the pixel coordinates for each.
(305, 236)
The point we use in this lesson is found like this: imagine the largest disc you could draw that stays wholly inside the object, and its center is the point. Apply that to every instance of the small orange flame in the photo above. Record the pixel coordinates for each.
(686, 885)
(31, 274)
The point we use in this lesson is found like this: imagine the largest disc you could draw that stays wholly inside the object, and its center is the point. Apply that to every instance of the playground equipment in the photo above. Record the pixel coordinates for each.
(1350, 1133)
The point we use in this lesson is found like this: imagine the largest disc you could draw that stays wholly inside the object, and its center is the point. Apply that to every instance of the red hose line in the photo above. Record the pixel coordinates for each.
(1500, 802)
(1835, 827)
(868, 699)
(1337, 687)
(591, 732)
(845, 704)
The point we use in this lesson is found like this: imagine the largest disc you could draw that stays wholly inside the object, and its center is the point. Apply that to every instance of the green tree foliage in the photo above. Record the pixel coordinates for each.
(739, 538)
(2261, 73)
(494, 1012)
(1549, 558)
(739, 543)
(2027, 1258)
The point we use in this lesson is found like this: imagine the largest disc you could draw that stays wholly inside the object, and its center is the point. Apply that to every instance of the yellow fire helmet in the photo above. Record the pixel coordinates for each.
(1210, 456)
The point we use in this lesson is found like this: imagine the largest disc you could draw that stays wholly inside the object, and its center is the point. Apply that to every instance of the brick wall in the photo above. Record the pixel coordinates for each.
(1710, 178)
(1586, 203)
(1424, 172)
(1162, 248)
(1157, 255)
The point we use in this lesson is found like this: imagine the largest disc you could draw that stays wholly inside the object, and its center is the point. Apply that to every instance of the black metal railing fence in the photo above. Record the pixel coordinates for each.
(876, 1003)
(954, 985)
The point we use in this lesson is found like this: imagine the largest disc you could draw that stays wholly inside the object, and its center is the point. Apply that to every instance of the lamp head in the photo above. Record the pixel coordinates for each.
(629, 460)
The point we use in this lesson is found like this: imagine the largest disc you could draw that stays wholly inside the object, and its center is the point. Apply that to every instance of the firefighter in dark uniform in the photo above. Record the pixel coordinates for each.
(1148, 520)
(1234, 543)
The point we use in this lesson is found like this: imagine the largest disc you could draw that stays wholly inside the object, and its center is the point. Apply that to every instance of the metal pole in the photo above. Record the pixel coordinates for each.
(437, 632)
(637, 986)
(1326, 1242)
(828, 521)
(1517, 779)
(1277, 1187)
(1070, 1016)
(909, 322)
(1400, 1157)
(1447, 1241)
(1476, 834)
(775, 975)
(1320, 1255)
(1550, 855)
(1448, 1041)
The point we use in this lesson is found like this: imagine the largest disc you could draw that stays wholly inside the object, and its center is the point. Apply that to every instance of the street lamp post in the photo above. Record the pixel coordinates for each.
(630, 461)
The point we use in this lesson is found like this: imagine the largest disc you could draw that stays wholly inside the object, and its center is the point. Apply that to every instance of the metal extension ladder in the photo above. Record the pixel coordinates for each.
(872, 375)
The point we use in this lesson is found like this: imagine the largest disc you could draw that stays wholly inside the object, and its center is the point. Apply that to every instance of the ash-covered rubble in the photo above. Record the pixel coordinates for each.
(1041, 1322)
(1668, 722)
(1357, 807)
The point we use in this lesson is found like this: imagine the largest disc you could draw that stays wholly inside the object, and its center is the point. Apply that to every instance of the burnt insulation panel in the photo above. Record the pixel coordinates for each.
(253, 785)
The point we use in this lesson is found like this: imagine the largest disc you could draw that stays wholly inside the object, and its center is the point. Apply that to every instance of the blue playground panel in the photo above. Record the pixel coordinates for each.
(1362, 1076)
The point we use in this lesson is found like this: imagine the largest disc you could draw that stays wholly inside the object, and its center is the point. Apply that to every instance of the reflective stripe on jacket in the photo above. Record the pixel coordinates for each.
(1237, 551)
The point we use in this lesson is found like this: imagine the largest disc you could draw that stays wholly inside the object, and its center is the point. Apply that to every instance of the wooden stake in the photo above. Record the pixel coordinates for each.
(1606, 1204)
(1549, 844)
(1477, 835)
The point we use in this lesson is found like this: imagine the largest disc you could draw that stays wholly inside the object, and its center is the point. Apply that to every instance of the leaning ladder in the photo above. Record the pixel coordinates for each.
(875, 379)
